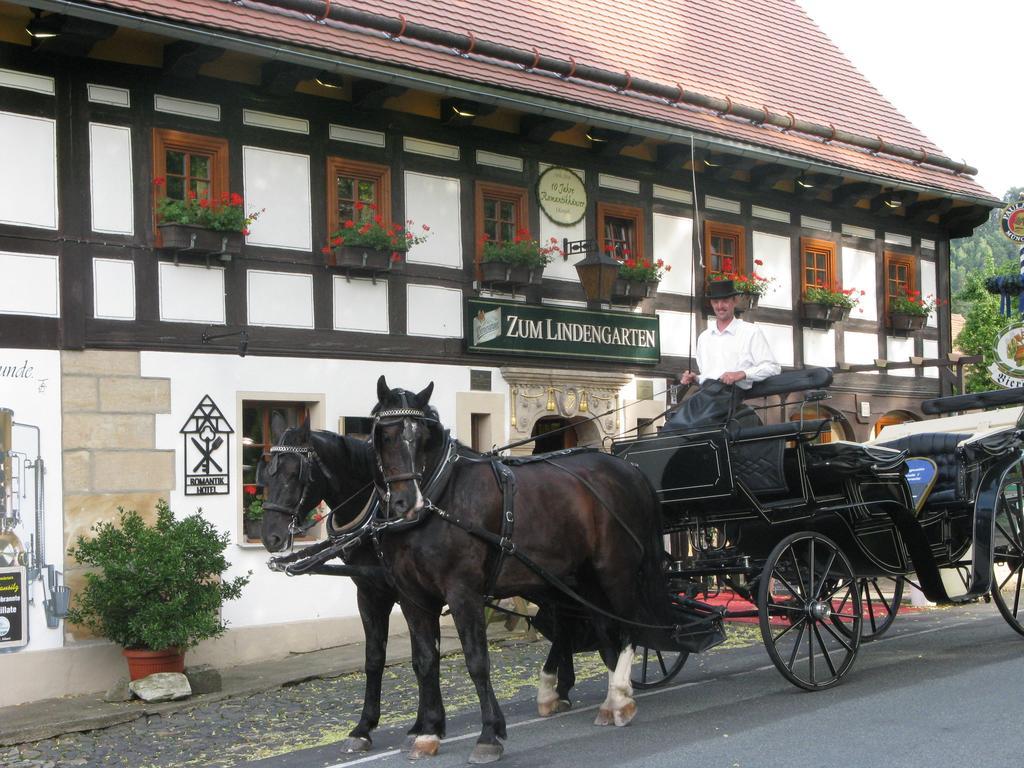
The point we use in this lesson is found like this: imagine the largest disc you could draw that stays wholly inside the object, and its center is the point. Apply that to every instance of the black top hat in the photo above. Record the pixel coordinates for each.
(722, 289)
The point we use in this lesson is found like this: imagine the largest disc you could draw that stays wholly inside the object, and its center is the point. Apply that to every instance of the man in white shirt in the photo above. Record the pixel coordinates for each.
(730, 352)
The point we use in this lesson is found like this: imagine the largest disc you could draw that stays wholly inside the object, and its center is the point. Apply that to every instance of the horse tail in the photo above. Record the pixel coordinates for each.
(679, 627)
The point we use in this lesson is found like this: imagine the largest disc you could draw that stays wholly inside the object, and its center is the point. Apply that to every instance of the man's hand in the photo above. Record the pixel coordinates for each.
(688, 377)
(731, 377)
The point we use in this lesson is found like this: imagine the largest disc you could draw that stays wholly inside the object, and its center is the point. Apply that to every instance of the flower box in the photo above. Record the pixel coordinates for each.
(817, 314)
(502, 275)
(746, 302)
(187, 239)
(906, 322)
(358, 260)
(633, 291)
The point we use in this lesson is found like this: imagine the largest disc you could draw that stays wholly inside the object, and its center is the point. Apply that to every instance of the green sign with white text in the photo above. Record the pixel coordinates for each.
(512, 327)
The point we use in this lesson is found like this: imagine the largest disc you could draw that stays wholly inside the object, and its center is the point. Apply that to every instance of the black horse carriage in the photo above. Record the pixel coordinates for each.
(821, 536)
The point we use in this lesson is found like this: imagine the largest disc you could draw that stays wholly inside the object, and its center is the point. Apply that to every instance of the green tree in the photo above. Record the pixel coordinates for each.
(969, 255)
(982, 323)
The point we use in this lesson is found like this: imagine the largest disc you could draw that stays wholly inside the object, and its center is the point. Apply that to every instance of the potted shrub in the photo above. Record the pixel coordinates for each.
(509, 264)
(155, 590)
(368, 244)
(638, 279)
(201, 226)
(751, 286)
(908, 310)
(822, 306)
(252, 517)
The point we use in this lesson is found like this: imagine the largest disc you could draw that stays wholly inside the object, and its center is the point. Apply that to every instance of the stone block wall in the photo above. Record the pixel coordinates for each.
(109, 457)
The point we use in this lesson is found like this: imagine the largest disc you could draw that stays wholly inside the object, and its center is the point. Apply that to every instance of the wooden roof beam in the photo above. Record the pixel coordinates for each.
(183, 59)
(851, 194)
(456, 113)
(279, 78)
(605, 142)
(716, 166)
(371, 94)
(538, 129)
(889, 202)
(768, 175)
(923, 210)
(75, 36)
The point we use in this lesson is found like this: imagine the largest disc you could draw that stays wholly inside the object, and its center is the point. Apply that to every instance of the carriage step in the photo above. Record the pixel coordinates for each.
(723, 566)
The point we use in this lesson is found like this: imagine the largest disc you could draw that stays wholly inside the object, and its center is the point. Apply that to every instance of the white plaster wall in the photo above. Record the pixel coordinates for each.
(774, 251)
(899, 350)
(780, 339)
(928, 287)
(278, 182)
(31, 284)
(673, 242)
(348, 388)
(28, 184)
(113, 289)
(360, 305)
(191, 294)
(283, 299)
(110, 179)
(433, 311)
(35, 400)
(930, 351)
(559, 268)
(859, 273)
(678, 333)
(819, 347)
(860, 348)
(435, 201)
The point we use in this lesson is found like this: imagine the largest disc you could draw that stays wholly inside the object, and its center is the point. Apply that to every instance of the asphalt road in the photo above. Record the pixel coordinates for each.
(942, 688)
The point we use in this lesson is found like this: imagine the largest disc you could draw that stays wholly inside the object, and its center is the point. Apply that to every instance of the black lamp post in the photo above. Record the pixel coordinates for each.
(598, 271)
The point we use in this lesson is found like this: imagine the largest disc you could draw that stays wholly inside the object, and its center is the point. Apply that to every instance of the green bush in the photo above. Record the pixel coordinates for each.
(155, 586)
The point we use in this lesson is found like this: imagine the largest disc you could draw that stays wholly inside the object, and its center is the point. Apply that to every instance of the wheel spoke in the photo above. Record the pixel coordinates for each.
(839, 639)
(824, 577)
(796, 645)
(810, 576)
(786, 584)
(796, 566)
(1016, 595)
(794, 625)
(661, 663)
(824, 650)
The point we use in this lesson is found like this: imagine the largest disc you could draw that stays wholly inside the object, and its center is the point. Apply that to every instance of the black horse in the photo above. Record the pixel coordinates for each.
(308, 467)
(586, 518)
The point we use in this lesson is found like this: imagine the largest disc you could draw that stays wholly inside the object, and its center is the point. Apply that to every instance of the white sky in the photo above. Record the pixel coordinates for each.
(950, 66)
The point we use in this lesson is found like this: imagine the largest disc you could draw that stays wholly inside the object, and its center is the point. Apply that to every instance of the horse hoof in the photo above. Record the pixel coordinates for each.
(604, 717)
(624, 715)
(356, 744)
(486, 753)
(424, 746)
(553, 707)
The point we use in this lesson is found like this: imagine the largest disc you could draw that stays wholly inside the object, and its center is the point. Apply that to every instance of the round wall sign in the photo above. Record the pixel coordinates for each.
(1008, 369)
(562, 195)
(1012, 221)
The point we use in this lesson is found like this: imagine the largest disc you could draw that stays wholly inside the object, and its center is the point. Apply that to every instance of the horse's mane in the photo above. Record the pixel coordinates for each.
(341, 449)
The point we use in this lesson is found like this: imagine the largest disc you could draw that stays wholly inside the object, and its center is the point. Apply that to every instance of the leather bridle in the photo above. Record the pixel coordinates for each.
(307, 458)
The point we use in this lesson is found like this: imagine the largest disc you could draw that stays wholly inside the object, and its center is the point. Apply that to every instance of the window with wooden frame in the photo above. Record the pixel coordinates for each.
(817, 264)
(500, 214)
(724, 248)
(191, 165)
(352, 187)
(256, 442)
(899, 276)
(620, 230)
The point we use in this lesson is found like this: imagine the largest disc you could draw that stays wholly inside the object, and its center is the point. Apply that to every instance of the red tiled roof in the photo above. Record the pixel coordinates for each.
(756, 52)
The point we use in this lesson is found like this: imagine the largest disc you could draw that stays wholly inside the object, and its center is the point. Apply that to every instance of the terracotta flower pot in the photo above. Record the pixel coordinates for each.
(142, 663)
(633, 291)
(503, 275)
(200, 241)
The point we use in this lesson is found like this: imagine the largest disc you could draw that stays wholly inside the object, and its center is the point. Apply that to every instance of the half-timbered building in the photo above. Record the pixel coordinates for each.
(135, 366)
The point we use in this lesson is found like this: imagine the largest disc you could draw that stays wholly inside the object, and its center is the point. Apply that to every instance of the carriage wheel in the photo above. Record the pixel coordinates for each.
(653, 668)
(805, 580)
(1008, 550)
(879, 608)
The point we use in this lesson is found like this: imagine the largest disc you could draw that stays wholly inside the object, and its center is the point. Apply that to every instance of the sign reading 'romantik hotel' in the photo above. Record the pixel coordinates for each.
(505, 326)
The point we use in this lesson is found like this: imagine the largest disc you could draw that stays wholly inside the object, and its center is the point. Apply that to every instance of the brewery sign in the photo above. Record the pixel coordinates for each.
(1011, 221)
(1008, 369)
(13, 607)
(207, 437)
(562, 196)
(509, 327)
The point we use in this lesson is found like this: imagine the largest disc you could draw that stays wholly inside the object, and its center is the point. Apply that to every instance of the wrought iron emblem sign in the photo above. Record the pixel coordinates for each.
(506, 326)
(207, 436)
(13, 608)
(562, 196)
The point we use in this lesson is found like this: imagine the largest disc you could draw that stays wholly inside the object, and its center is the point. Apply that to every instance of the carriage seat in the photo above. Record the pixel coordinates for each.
(940, 447)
